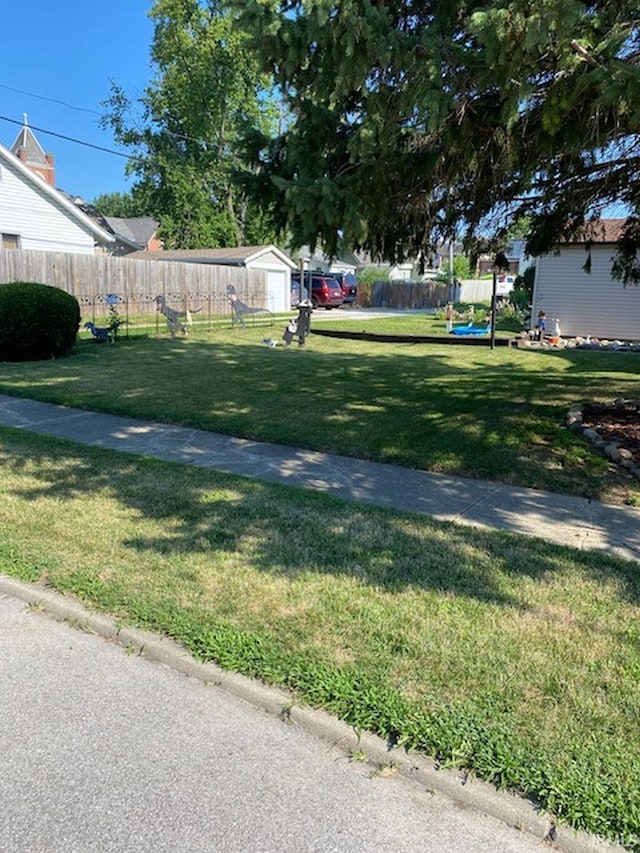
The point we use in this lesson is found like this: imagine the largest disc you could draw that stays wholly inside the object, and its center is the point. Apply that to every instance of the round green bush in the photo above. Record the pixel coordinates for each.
(36, 321)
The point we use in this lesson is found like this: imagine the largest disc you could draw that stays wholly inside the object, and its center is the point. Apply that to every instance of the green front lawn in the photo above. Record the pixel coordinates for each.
(460, 410)
(507, 656)
(513, 658)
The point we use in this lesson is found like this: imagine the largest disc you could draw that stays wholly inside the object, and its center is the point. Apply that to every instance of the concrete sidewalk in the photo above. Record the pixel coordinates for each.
(153, 760)
(561, 519)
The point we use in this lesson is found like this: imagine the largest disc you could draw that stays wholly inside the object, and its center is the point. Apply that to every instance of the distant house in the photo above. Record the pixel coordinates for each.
(33, 214)
(319, 261)
(587, 303)
(516, 257)
(130, 235)
(275, 263)
(359, 262)
(138, 231)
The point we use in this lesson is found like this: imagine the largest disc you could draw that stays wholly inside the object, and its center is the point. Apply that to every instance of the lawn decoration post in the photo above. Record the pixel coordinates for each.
(500, 262)
(300, 325)
(115, 317)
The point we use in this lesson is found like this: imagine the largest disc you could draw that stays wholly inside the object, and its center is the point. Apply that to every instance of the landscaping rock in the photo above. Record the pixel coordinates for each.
(613, 452)
(591, 434)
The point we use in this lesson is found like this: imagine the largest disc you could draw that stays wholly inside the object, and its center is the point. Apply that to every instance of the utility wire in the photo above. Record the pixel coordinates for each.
(176, 135)
(51, 100)
(71, 139)
(202, 142)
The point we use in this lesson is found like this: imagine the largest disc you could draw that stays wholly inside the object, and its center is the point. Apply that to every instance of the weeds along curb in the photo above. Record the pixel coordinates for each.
(462, 788)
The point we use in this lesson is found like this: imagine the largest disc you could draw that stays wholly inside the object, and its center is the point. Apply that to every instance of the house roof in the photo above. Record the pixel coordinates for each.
(136, 229)
(89, 210)
(55, 196)
(232, 256)
(599, 231)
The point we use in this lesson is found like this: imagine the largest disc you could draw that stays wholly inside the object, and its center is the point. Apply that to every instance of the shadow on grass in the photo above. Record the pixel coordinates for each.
(294, 535)
(479, 415)
(290, 532)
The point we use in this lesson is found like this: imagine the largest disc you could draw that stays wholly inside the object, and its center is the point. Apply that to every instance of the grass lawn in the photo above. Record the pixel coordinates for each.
(462, 410)
(508, 656)
(516, 659)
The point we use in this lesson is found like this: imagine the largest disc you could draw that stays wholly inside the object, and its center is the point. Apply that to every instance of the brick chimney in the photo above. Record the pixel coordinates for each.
(50, 176)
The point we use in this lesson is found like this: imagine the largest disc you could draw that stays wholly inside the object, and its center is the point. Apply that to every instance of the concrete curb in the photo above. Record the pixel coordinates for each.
(467, 791)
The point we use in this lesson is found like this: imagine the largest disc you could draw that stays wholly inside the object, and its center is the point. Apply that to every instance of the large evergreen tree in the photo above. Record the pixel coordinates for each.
(411, 121)
(184, 131)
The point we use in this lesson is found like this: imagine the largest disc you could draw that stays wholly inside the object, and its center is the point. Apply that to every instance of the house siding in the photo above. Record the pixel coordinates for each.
(40, 223)
(586, 304)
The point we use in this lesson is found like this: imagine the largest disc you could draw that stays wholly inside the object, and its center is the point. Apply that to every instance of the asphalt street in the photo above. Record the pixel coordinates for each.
(104, 750)
(101, 750)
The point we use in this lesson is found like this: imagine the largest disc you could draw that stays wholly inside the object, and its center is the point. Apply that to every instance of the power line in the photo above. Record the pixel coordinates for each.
(173, 133)
(71, 139)
(51, 100)
(200, 141)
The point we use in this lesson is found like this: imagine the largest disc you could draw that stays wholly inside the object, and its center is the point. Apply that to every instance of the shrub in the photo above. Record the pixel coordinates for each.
(510, 313)
(36, 321)
(525, 281)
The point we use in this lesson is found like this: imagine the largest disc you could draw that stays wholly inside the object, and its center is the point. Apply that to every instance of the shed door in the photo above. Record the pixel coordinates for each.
(277, 290)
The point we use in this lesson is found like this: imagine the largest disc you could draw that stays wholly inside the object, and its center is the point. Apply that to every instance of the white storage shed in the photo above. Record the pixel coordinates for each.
(276, 265)
(587, 303)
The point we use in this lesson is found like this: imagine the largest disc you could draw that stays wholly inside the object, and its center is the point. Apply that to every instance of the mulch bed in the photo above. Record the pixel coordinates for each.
(619, 422)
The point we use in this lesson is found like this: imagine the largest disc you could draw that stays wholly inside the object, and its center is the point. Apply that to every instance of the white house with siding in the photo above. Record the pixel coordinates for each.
(34, 215)
(587, 303)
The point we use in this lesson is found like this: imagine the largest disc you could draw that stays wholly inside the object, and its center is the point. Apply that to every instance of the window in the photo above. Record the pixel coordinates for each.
(10, 241)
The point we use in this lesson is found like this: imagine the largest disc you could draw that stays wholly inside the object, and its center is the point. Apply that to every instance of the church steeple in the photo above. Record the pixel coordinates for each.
(27, 148)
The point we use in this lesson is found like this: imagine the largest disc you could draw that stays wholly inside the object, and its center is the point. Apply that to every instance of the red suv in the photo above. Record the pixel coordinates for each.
(349, 285)
(325, 290)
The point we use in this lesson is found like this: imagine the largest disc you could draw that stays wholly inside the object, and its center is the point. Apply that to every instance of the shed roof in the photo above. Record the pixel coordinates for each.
(599, 231)
(232, 256)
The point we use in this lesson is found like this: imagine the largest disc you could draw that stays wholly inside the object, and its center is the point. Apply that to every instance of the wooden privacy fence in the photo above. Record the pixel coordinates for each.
(402, 294)
(100, 281)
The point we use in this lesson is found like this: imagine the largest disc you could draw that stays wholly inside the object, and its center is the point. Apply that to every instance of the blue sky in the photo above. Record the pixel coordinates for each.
(68, 52)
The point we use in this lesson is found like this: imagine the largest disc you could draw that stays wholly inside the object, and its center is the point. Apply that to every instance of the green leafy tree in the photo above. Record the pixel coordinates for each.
(123, 205)
(411, 122)
(461, 266)
(184, 131)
